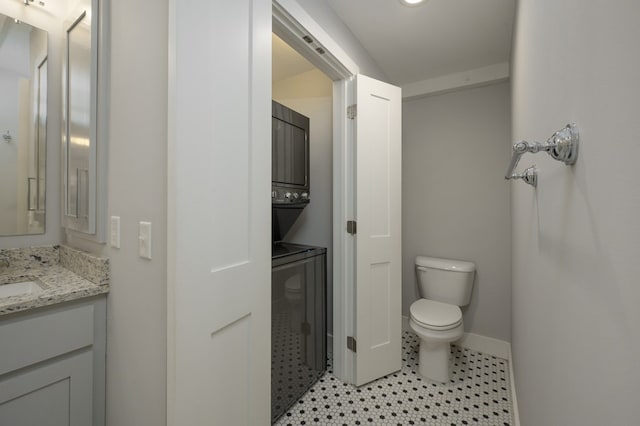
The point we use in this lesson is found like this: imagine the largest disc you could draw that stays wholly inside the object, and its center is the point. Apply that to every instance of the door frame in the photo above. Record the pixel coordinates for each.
(296, 27)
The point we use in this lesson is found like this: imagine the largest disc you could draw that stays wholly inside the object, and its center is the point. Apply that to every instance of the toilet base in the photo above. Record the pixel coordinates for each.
(434, 361)
(434, 355)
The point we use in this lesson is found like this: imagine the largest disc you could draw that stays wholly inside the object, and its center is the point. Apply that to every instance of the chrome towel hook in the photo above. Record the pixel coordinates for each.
(562, 146)
(530, 176)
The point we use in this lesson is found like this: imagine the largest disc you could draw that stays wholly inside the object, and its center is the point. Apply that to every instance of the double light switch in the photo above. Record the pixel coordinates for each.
(144, 236)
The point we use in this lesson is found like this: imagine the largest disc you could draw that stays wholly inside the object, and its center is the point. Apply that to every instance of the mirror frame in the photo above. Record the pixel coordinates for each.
(41, 137)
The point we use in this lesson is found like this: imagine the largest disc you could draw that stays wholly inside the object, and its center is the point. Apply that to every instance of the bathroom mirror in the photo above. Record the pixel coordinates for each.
(23, 126)
(83, 144)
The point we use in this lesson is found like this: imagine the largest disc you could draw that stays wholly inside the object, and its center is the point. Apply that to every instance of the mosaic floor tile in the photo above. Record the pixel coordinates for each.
(478, 394)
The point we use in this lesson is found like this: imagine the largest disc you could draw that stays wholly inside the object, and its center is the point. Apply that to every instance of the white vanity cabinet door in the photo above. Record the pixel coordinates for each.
(52, 365)
(54, 394)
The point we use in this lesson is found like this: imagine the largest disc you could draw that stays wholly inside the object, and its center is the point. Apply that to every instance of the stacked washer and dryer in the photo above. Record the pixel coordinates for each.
(298, 277)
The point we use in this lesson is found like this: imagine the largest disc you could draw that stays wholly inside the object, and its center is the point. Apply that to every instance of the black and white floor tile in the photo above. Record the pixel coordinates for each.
(478, 394)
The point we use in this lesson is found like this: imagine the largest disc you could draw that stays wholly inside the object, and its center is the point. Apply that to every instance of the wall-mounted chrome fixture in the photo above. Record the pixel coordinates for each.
(530, 176)
(7, 137)
(562, 146)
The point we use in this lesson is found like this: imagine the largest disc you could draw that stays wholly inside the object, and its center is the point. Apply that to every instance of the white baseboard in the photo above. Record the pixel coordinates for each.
(489, 346)
(405, 324)
(476, 342)
(486, 345)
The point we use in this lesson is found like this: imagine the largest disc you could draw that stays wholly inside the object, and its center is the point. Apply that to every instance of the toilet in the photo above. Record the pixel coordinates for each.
(436, 318)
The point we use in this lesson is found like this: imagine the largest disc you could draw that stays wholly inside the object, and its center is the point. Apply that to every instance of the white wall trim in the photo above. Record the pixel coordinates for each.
(489, 346)
(476, 342)
(343, 245)
(514, 400)
(492, 74)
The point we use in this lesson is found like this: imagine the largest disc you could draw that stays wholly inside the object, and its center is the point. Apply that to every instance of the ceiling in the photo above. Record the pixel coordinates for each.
(412, 44)
(286, 61)
(438, 38)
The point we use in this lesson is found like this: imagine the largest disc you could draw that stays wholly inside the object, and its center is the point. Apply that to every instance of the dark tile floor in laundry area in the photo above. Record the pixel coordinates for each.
(478, 394)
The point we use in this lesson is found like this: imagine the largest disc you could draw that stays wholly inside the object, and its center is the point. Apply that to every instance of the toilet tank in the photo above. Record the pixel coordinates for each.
(445, 280)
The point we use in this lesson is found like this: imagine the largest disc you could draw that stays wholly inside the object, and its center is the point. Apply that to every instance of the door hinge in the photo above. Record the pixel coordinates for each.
(352, 111)
(351, 227)
(351, 343)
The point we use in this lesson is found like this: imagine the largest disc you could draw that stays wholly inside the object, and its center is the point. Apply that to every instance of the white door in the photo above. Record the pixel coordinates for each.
(378, 287)
(219, 242)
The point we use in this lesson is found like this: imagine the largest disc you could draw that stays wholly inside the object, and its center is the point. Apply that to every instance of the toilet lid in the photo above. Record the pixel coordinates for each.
(435, 315)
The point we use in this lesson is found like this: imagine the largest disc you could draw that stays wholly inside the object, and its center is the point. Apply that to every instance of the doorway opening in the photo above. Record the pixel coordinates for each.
(302, 226)
(366, 306)
(308, 78)
(302, 87)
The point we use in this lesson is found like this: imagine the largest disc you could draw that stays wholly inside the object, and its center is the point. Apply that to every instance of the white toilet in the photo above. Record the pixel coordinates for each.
(444, 286)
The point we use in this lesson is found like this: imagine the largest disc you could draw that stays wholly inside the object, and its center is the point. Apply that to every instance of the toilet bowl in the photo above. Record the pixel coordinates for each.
(437, 325)
(444, 285)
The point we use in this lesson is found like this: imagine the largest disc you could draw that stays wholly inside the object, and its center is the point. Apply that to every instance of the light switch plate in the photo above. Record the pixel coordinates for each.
(144, 240)
(114, 232)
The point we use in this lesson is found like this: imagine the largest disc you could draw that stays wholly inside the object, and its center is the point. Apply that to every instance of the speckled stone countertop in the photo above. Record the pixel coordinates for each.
(63, 273)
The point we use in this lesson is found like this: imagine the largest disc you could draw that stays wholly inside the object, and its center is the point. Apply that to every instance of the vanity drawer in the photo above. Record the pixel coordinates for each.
(29, 339)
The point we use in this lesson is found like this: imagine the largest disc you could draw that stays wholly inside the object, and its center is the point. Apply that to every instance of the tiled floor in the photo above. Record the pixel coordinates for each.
(478, 394)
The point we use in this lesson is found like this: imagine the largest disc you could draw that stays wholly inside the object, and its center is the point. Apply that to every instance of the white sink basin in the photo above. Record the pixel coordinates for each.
(20, 289)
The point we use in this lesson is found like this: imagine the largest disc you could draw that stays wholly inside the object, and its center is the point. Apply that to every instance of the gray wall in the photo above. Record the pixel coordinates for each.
(137, 321)
(137, 191)
(310, 94)
(576, 239)
(455, 150)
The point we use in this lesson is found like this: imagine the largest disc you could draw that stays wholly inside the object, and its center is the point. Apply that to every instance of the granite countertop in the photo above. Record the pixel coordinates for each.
(64, 274)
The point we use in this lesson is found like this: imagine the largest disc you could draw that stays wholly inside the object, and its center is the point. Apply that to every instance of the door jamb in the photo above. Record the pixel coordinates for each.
(296, 27)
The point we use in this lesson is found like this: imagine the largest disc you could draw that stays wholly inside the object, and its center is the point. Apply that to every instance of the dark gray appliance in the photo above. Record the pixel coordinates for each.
(289, 169)
(298, 322)
(298, 274)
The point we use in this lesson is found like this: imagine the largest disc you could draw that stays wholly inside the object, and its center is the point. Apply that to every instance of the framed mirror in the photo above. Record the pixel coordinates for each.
(79, 126)
(84, 120)
(23, 126)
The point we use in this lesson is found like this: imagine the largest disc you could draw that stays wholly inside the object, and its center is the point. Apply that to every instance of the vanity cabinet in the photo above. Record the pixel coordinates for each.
(52, 365)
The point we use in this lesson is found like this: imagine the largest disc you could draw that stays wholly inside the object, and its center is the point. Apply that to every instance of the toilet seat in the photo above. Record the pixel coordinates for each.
(435, 315)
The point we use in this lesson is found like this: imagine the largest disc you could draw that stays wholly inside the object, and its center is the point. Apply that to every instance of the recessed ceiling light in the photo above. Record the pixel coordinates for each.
(412, 3)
